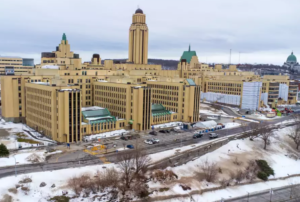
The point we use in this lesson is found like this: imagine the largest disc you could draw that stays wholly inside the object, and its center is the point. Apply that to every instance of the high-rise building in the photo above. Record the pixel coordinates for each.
(138, 39)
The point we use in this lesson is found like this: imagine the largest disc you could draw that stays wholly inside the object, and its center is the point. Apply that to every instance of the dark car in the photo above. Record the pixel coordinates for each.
(124, 138)
(197, 136)
(163, 131)
(213, 135)
(130, 146)
(153, 133)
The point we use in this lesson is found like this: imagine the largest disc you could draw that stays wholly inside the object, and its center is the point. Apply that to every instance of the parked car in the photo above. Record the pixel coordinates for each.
(124, 138)
(148, 141)
(163, 131)
(197, 135)
(130, 146)
(153, 133)
(155, 140)
(213, 135)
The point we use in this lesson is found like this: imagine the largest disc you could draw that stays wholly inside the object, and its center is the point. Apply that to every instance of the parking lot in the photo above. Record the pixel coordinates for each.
(180, 136)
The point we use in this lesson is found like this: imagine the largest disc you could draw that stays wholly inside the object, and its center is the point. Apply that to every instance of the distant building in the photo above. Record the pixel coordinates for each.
(292, 63)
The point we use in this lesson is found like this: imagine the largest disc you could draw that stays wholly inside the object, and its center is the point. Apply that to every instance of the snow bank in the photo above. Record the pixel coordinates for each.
(231, 125)
(166, 125)
(114, 133)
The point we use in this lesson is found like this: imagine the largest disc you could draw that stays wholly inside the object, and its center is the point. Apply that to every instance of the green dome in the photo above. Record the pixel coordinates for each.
(292, 58)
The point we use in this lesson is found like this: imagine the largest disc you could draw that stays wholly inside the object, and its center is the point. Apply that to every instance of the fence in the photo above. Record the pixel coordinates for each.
(289, 193)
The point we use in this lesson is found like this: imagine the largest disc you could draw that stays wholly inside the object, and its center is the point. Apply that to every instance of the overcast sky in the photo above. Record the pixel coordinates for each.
(264, 31)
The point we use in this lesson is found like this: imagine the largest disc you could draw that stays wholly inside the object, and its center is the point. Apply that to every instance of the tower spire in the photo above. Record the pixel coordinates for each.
(189, 47)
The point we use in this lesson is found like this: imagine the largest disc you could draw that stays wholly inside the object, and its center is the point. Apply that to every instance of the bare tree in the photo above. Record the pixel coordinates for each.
(126, 164)
(141, 160)
(295, 136)
(133, 165)
(210, 171)
(265, 133)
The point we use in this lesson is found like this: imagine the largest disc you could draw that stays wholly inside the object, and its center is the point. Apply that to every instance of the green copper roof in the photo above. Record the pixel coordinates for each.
(98, 116)
(187, 55)
(292, 58)
(159, 110)
(96, 113)
(64, 37)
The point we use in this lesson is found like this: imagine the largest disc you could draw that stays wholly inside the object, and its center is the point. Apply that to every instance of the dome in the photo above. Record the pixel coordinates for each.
(292, 58)
(139, 11)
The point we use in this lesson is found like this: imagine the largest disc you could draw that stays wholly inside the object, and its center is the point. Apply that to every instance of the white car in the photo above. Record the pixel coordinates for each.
(148, 141)
(155, 140)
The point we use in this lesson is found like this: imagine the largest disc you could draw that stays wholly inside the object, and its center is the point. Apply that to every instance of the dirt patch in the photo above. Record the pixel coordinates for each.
(3, 133)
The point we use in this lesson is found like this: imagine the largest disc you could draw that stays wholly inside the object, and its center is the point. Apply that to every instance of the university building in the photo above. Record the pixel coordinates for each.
(66, 99)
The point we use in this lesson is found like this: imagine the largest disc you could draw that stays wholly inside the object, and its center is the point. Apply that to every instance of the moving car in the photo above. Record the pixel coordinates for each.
(197, 135)
(153, 133)
(155, 140)
(130, 146)
(148, 141)
(213, 135)
(164, 131)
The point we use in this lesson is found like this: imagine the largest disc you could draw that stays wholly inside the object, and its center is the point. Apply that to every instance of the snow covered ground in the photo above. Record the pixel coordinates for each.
(280, 154)
(207, 109)
(24, 156)
(14, 128)
(41, 194)
(231, 125)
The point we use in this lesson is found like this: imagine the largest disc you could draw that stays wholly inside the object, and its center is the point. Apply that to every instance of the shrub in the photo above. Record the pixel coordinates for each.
(262, 175)
(3, 150)
(264, 167)
(60, 199)
(13, 190)
(163, 189)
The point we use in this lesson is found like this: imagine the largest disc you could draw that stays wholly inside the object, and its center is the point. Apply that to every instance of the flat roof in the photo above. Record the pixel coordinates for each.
(90, 108)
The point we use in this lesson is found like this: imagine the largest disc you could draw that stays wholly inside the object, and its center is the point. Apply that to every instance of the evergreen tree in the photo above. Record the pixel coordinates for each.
(3, 150)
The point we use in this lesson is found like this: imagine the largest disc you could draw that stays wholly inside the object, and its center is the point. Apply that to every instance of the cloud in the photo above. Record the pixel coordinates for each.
(265, 31)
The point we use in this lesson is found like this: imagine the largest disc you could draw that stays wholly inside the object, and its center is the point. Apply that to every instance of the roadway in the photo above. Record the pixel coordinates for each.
(80, 158)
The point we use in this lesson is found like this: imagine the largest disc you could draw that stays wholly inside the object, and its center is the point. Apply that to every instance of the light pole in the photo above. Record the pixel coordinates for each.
(15, 166)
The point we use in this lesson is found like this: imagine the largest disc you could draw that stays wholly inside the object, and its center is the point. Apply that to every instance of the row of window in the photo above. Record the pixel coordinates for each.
(101, 94)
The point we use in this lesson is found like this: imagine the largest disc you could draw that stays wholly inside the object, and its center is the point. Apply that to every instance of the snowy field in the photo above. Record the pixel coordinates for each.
(14, 128)
(26, 157)
(280, 154)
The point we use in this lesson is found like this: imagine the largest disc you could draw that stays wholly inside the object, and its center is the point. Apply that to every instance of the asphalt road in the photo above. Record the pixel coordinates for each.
(83, 160)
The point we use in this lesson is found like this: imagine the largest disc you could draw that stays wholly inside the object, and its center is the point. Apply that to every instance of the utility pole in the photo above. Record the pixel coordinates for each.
(239, 57)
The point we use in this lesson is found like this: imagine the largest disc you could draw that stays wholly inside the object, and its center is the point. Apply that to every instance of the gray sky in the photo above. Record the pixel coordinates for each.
(264, 31)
